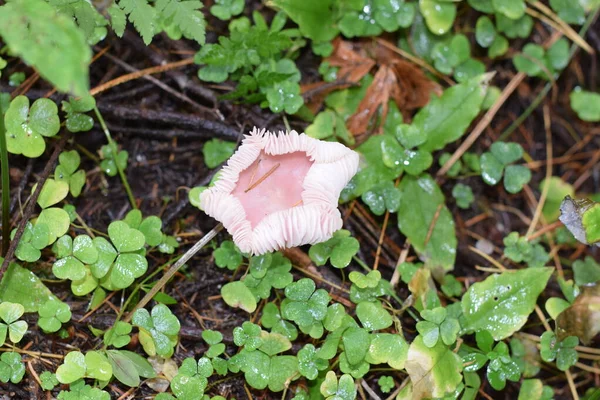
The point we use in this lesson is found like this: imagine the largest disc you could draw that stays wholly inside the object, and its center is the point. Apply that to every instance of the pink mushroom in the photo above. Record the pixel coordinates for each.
(280, 191)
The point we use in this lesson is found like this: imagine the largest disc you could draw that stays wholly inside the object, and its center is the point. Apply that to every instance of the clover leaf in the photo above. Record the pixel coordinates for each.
(191, 379)
(247, 335)
(339, 250)
(75, 108)
(386, 383)
(463, 195)
(585, 104)
(158, 330)
(356, 342)
(382, 197)
(72, 257)
(81, 391)
(57, 220)
(284, 96)
(309, 364)
(10, 325)
(497, 162)
(53, 314)
(305, 306)
(272, 319)
(25, 127)
(76, 366)
(563, 351)
(34, 238)
(214, 339)
(129, 263)
(501, 367)
(111, 158)
(66, 171)
(333, 389)
(48, 380)
(266, 272)
(387, 348)
(367, 287)
(373, 316)
(437, 324)
(118, 335)
(52, 192)
(519, 249)
(11, 367)
(226, 9)
(228, 256)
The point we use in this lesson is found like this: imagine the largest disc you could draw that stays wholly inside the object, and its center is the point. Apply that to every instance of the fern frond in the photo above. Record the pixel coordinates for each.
(142, 16)
(186, 15)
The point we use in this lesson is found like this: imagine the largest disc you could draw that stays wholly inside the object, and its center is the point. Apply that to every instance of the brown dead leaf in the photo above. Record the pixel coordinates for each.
(582, 318)
(384, 86)
(353, 66)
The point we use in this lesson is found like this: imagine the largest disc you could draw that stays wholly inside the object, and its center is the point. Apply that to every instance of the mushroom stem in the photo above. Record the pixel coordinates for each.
(262, 178)
(174, 268)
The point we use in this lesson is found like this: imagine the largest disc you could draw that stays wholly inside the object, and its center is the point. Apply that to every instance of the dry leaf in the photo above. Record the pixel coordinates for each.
(582, 318)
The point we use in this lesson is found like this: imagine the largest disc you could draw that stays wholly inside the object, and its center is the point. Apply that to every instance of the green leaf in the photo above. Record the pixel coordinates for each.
(216, 151)
(316, 19)
(158, 329)
(142, 16)
(247, 335)
(97, 366)
(339, 249)
(439, 15)
(50, 42)
(151, 229)
(491, 168)
(585, 104)
(558, 54)
(515, 177)
(445, 119)
(26, 127)
(499, 47)
(373, 316)
(123, 368)
(226, 9)
(511, 296)
(11, 367)
(273, 343)
(186, 15)
(586, 272)
(124, 238)
(334, 390)
(531, 61)
(507, 153)
(238, 295)
(485, 33)
(463, 195)
(118, 335)
(53, 314)
(228, 255)
(48, 380)
(84, 249)
(20, 285)
(433, 371)
(70, 161)
(57, 220)
(284, 96)
(72, 368)
(571, 12)
(52, 193)
(118, 19)
(421, 201)
(513, 9)
(387, 348)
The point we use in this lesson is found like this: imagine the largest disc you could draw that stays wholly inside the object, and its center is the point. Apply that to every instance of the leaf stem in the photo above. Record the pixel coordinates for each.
(174, 268)
(115, 151)
(5, 183)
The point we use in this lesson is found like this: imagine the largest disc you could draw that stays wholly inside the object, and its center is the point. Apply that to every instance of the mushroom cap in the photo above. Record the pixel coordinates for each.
(280, 191)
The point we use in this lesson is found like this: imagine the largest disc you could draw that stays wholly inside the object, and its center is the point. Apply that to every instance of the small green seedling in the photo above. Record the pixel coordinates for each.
(463, 195)
(10, 325)
(519, 249)
(226, 9)
(75, 366)
(34, 238)
(158, 330)
(213, 339)
(228, 256)
(266, 272)
(499, 160)
(563, 351)
(53, 314)
(386, 383)
(66, 171)
(272, 319)
(216, 151)
(118, 335)
(309, 364)
(75, 109)
(111, 159)
(48, 380)
(247, 335)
